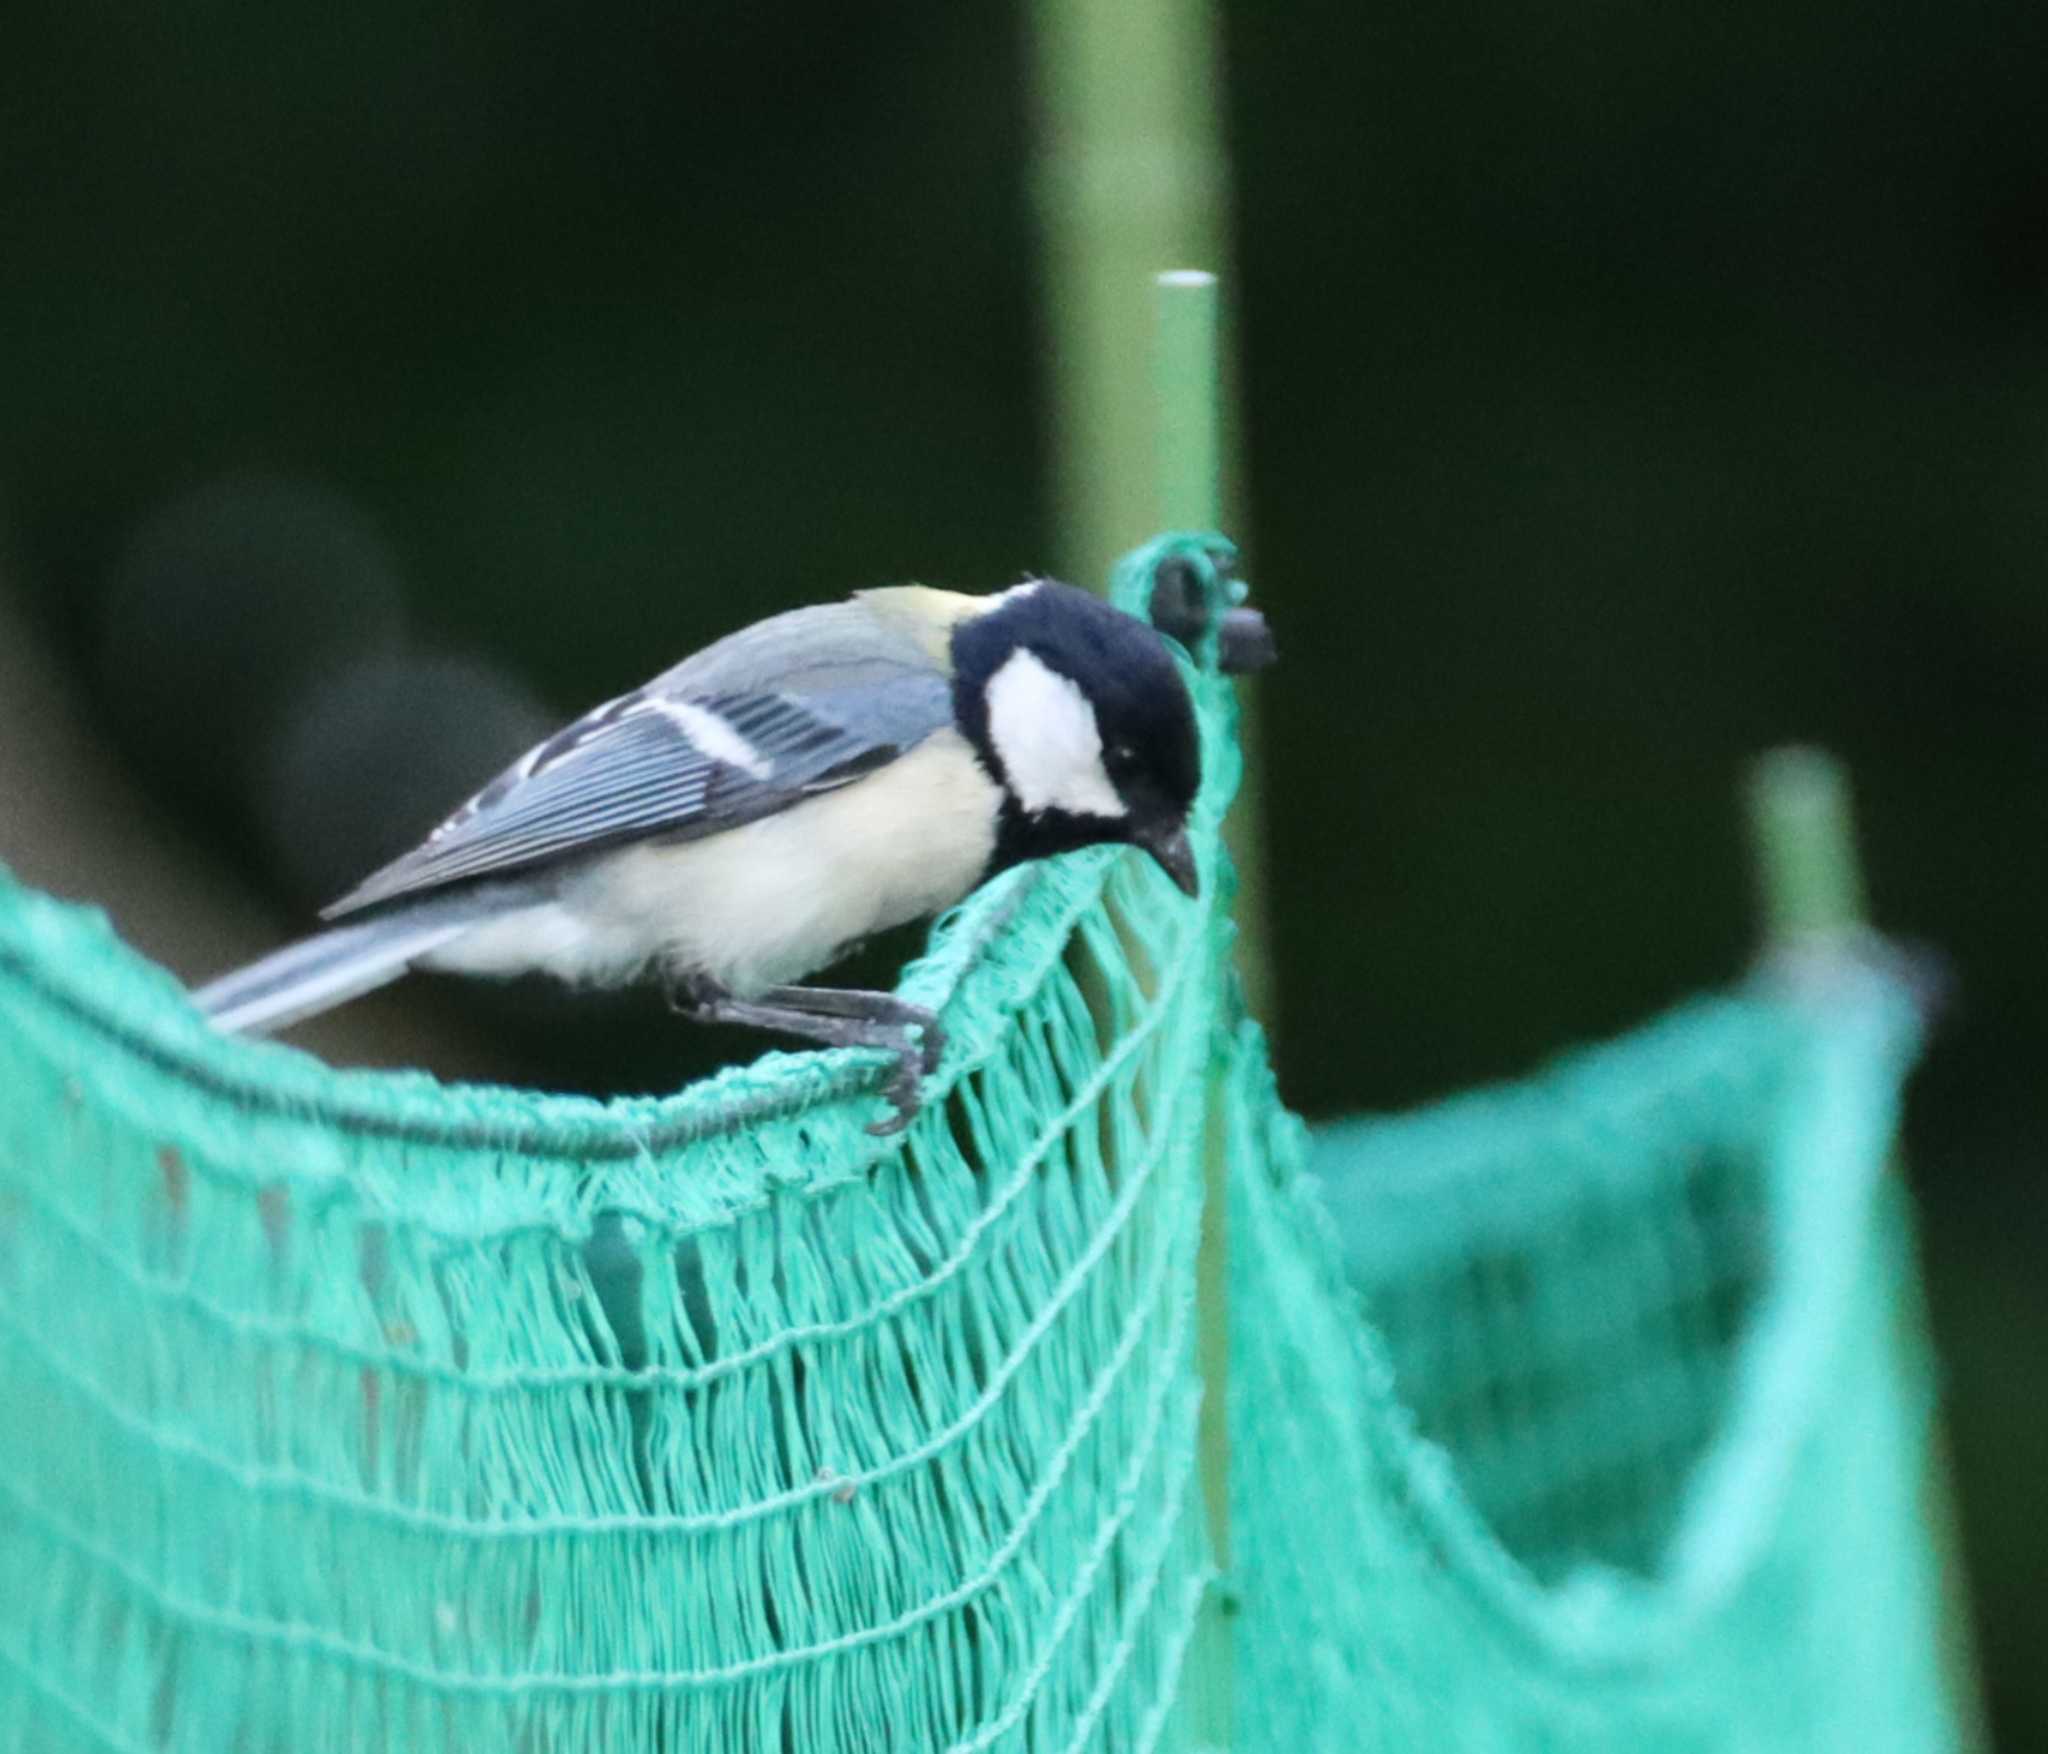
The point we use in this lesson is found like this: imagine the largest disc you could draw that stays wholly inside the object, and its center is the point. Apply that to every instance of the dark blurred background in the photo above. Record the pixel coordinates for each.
(1622, 390)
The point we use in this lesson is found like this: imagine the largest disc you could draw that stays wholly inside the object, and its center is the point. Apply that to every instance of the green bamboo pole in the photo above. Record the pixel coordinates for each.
(1186, 359)
(1802, 826)
(1190, 364)
(1805, 844)
(1187, 362)
(1188, 397)
(1129, 179)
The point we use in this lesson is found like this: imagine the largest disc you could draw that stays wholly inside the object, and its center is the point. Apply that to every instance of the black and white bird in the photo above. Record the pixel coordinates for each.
(751, 814)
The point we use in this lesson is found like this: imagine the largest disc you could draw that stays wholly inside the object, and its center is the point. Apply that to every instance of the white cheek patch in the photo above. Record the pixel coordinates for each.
(1046, 737)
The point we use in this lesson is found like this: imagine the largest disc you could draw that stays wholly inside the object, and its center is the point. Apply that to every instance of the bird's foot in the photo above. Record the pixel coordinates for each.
(915, 1062)
(835, 1017)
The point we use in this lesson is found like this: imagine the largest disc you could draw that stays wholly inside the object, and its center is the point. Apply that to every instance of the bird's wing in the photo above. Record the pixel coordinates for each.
(795, 706)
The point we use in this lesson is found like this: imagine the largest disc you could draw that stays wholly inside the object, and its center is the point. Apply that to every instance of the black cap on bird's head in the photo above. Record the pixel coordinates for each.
(1081, 714)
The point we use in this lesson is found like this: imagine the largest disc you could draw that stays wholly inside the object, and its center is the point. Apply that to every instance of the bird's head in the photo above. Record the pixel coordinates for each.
(1080, 713)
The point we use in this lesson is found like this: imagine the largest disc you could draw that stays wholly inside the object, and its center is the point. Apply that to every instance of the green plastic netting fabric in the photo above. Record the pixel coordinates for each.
(1608, 1386)
(345, 1410)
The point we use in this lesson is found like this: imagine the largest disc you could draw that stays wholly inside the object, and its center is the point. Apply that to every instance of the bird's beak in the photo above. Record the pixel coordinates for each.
(1169, 845)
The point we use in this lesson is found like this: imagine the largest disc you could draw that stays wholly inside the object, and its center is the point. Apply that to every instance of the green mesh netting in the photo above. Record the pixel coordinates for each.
(344, 1410)
(1608, 1387)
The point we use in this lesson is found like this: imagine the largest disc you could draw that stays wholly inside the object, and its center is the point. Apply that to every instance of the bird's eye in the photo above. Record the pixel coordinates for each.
(1120, 756)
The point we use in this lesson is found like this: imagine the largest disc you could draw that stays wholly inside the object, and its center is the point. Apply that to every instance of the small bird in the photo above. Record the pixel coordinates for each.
(752, 814)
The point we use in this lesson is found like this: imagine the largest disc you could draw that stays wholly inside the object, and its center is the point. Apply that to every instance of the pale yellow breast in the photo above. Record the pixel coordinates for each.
(775, 900)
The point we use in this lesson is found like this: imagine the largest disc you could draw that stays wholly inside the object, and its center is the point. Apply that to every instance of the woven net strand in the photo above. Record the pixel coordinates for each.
(1610, 1389)
(346, 1410)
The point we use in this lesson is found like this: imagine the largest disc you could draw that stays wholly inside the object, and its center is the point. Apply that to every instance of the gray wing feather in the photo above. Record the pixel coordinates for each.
(816, 699)
(831, 647)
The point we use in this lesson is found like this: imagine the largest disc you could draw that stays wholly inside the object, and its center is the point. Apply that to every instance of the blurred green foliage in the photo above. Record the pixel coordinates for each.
(1625, 389)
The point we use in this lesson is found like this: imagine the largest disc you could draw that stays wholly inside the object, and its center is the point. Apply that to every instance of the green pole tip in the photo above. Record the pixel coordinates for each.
(1188, 400)
(1801, 822)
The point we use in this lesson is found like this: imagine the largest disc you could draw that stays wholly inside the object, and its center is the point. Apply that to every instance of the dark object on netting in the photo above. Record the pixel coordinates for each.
(349, 1410)
(1184, 605)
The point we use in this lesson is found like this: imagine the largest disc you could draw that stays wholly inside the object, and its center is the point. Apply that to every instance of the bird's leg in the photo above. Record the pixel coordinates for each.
(836, 1017)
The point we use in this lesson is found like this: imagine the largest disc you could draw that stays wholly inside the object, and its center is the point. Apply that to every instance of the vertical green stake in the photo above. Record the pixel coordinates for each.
(1189, 399)
(1187, 381)
(1188, 384)
(1803, 828)
(1805, 847)
(1130, 175)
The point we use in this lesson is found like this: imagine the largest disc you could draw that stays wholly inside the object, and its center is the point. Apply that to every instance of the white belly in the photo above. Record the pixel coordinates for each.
(772, 901)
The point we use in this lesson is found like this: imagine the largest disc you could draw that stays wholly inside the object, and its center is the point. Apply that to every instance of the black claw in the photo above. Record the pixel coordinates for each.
(905, 1092)
(914, 1064)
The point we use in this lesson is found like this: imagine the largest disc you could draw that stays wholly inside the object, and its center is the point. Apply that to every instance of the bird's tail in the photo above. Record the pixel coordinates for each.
(332, 967)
